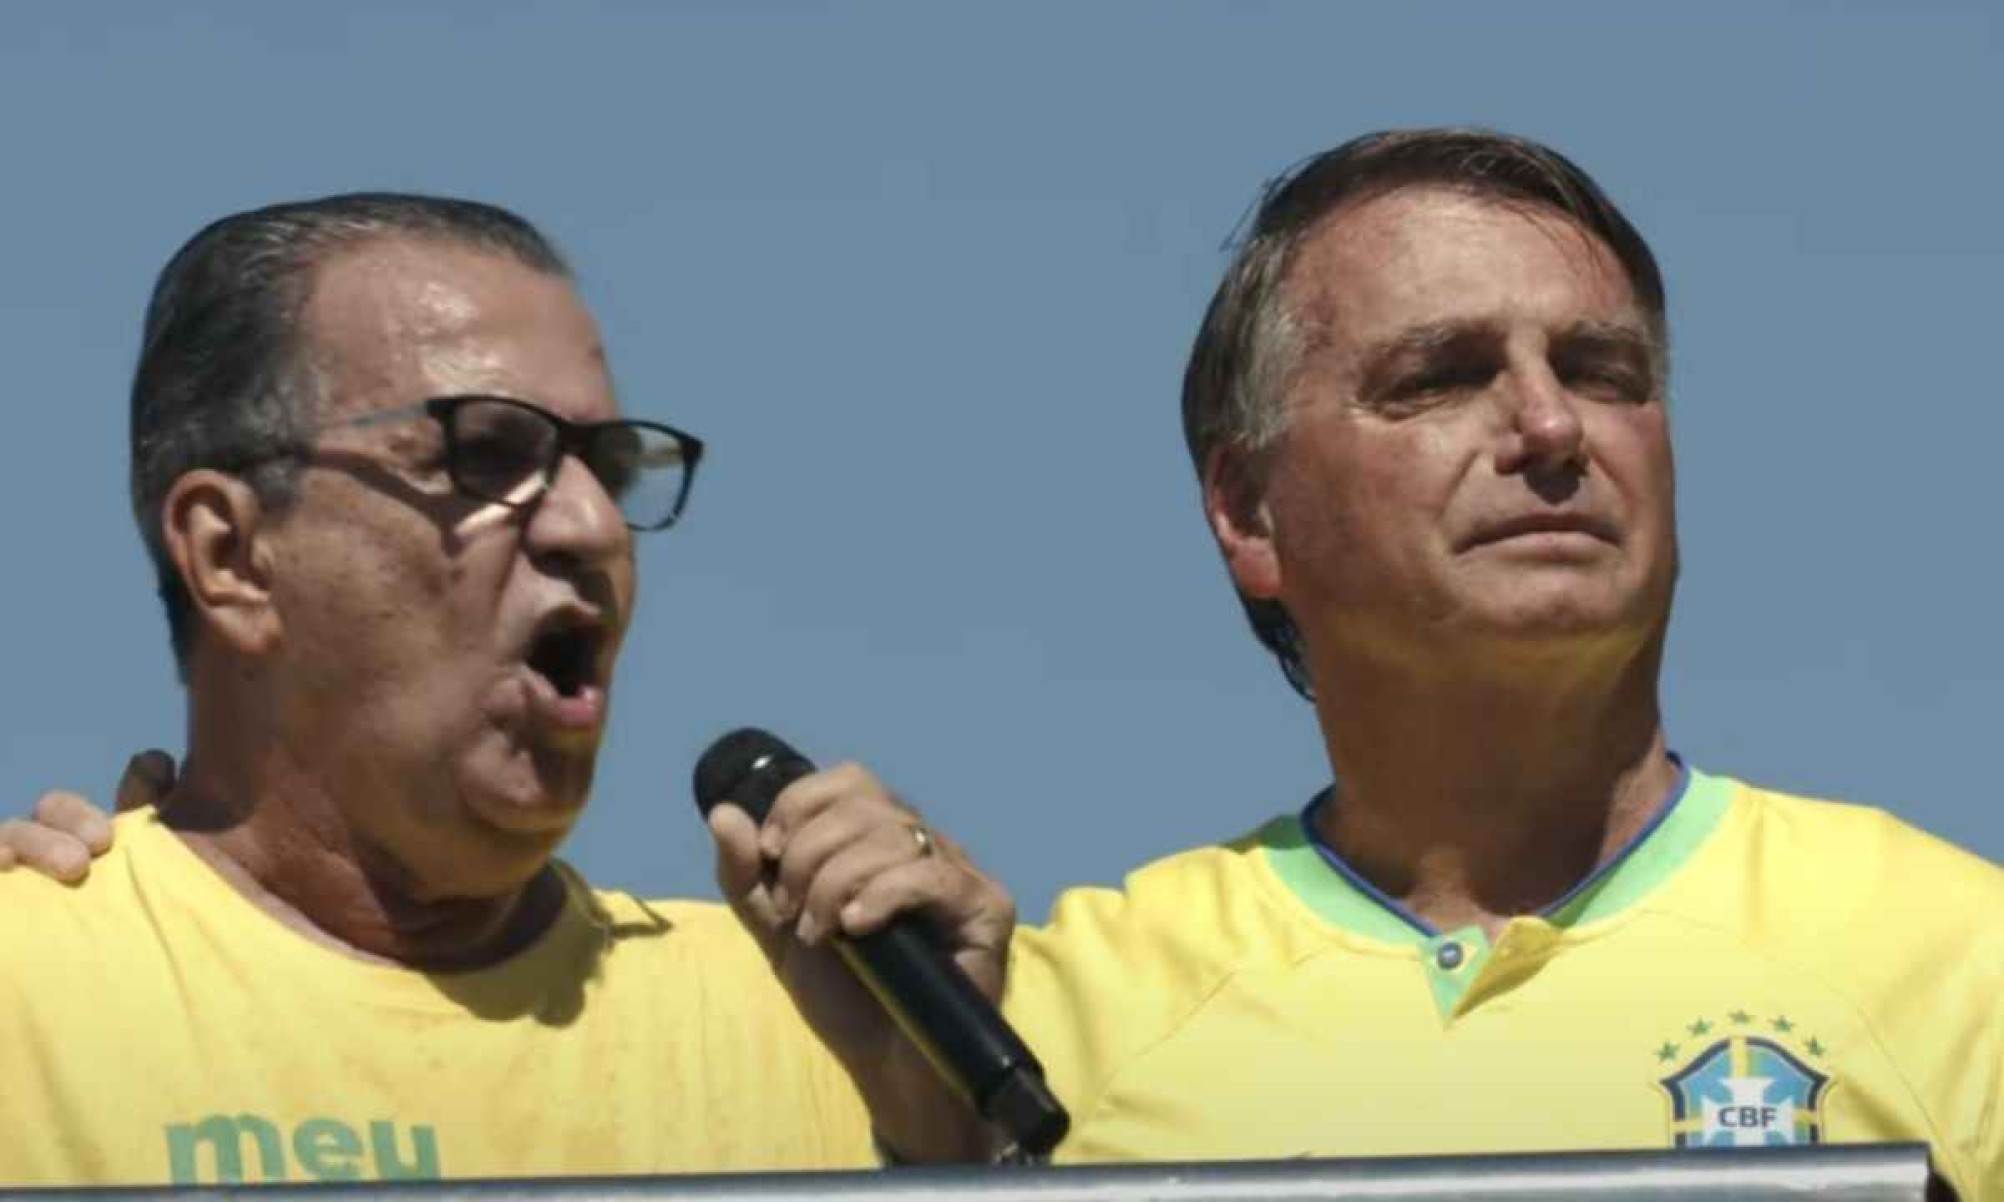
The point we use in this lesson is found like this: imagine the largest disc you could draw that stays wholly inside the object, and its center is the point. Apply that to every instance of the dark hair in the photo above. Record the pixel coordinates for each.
(219, 382)
(1248, 348)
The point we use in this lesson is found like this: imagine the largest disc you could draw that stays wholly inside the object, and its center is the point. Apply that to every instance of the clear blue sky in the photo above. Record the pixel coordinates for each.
(925, 274)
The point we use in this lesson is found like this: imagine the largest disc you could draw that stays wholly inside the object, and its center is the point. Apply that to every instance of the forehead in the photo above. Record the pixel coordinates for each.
(1436, 256)
(394, 321)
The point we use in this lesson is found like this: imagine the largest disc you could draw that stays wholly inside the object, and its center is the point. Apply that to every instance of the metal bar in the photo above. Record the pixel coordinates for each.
(1853, 1173)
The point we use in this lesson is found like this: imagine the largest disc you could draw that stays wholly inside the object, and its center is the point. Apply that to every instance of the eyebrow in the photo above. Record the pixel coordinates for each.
(1383, 359)
(1605, 335)
(1427, 337)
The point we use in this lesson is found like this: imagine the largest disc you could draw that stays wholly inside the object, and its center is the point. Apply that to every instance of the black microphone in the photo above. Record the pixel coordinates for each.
(938, 1008)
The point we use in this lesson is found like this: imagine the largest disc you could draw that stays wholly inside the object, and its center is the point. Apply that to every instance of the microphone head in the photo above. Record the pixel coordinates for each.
(747, 767)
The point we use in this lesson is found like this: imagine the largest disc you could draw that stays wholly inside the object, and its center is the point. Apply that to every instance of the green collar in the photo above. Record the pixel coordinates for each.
(1455, 962)
(1336, 893)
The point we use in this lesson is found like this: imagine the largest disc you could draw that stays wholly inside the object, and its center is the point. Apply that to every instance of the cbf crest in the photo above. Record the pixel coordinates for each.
(1748, 1089)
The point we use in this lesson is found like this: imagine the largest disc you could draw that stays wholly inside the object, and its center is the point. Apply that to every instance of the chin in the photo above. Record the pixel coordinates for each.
(475, 858)
(1543, 628)
(530, 815)
(526, 789)
(1562, 601)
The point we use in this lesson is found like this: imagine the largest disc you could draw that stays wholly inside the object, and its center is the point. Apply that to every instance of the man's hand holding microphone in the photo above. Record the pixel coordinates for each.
(851, 895)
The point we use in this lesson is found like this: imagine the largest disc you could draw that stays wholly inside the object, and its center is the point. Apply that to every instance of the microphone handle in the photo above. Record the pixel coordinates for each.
(960, 1032)
(957, 1028)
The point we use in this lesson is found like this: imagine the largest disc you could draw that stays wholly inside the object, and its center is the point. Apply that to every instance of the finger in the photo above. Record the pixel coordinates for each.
(952, 898)
(970, 914)
(6, 852)
(69, 814)
(800, 802)
(51, 853)
(845, 873)
(848, 820)
(741, 869)
(149, 777)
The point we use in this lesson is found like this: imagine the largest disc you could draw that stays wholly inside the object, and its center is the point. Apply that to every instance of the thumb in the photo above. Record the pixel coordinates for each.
(149, 777)
(741, 873)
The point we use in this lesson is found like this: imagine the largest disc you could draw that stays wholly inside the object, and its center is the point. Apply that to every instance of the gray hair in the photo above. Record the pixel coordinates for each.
(1250, 343)
(220, 383)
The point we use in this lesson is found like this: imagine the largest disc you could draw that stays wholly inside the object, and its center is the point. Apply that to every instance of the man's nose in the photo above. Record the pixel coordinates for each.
(1545, 434)
(577, 519)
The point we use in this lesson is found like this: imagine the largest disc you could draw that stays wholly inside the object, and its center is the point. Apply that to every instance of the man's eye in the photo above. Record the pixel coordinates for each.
(1440, 381)
(492, 465)
(1618, 384)
(485, 450)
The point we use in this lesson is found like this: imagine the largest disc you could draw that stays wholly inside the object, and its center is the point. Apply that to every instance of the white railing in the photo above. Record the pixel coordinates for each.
(1857, 1173)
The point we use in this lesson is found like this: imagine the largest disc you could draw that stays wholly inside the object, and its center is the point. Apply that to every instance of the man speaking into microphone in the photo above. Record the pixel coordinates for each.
(391, 500)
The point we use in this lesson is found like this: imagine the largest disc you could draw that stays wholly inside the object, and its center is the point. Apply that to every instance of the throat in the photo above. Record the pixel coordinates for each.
(1486, 855)
(341, 903)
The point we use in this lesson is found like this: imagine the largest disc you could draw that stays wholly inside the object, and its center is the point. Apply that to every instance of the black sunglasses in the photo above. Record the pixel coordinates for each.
(509, 451)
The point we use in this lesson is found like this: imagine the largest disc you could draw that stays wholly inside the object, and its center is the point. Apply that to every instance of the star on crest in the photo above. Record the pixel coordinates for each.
(1815, 1046)
(1667, 1052)
(1782, 1024)
(1701, 1027)
(1740, 1018)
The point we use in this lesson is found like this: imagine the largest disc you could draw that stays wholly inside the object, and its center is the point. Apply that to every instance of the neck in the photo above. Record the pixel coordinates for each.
(1475, 795)
(274, 829)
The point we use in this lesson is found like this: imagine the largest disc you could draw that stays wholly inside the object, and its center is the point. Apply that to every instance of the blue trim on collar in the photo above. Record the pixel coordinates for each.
(1663, 812)
(1356, 879)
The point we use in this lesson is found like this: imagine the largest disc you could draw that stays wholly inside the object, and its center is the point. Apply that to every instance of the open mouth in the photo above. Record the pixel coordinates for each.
(566, 652)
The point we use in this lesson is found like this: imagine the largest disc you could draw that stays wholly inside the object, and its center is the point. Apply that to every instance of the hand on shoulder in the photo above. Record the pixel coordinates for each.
(64, 831)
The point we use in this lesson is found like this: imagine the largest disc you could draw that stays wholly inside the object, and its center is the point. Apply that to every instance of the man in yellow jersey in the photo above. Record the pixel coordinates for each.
(1427, 411)
(390, 498)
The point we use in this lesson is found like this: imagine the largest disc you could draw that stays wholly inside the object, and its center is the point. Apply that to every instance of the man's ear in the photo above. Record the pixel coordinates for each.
(1235, 504)
(212, 524)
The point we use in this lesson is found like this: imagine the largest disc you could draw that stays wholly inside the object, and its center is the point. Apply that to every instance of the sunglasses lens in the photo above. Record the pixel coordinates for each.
(644, 469)
(500, 449)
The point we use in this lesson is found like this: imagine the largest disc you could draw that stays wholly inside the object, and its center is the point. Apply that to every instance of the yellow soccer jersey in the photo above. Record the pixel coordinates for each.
(156, 1026)
(1753, 969)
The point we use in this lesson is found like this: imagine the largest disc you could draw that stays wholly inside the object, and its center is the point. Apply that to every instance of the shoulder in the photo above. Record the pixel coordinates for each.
(689, 945)
(688, 918)
(1900, 924)
(684, 928)
(38, 907)
(1195, 914)
(1872, 903)
(62, 942)
(1847, 860)
(1117, 971)
(38, 910)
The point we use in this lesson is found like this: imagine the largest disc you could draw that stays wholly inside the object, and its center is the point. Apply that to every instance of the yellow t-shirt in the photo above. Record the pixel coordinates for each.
(1754, 969)
(155, 1026)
